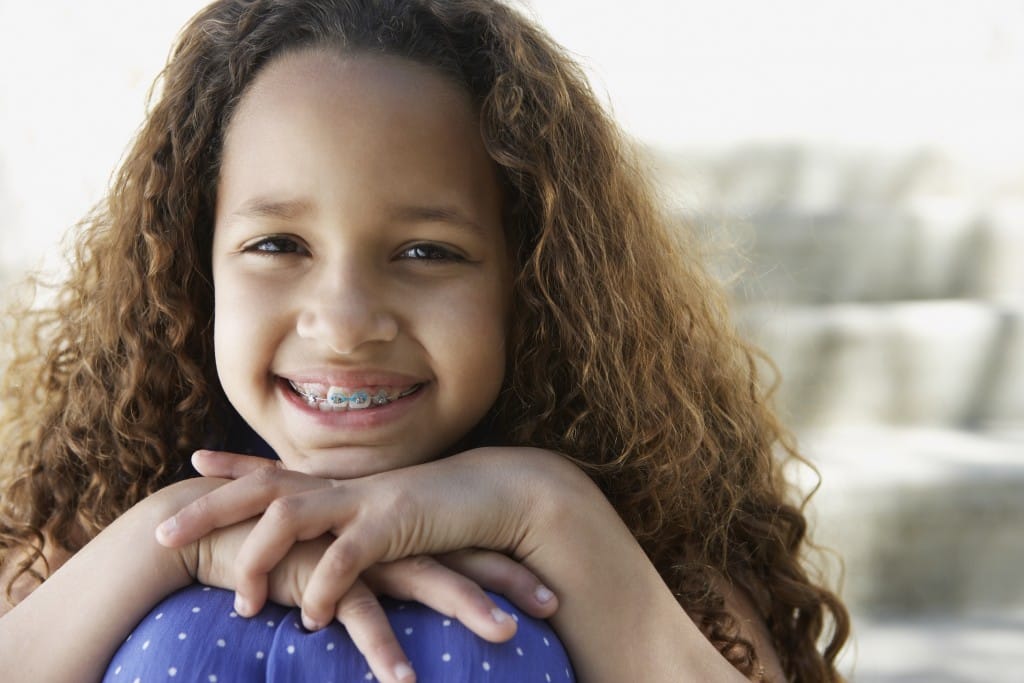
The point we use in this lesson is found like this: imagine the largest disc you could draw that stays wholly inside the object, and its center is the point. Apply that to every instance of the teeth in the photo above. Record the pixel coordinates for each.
(338, 399)
(359, 400)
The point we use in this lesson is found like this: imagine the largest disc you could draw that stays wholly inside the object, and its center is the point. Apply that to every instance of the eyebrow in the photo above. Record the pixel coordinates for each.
(293, 209)
(263, 207)
(437, 214)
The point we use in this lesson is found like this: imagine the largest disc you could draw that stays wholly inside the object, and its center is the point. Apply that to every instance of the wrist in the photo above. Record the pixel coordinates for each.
(163, 505)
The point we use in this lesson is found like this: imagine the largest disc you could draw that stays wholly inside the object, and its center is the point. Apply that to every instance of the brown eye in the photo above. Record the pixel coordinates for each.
(430, 252)
(275, 245)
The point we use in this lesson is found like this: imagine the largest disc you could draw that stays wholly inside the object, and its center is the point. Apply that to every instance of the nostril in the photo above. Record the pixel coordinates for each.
(344, 330)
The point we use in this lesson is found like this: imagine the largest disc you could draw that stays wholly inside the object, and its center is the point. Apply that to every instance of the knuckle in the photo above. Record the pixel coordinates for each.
(361, 606)
(421, 565)
(283, 511)
(340, 558)
(200, 508)
(398, 503)
(267, 478)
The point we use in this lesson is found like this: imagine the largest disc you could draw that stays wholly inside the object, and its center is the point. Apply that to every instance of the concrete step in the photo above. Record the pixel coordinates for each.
(929, 522)
(818, 225)
(986, 646)
(813, 179)
(927, 249)
(955, 363)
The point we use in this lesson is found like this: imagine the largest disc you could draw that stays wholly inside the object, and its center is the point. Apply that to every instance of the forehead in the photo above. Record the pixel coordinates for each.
(317, 110)
(383, 78)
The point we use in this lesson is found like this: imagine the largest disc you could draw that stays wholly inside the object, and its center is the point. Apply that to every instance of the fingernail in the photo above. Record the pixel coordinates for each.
(309, 624)
(542, 594)
(242, 606)
(499, 616)
(403, 671)
(167, 527)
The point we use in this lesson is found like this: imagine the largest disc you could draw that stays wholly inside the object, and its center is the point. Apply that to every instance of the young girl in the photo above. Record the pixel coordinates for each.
(402, 242)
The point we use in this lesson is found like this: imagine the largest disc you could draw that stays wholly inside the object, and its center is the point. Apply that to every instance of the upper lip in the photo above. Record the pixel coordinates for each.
(336, 377)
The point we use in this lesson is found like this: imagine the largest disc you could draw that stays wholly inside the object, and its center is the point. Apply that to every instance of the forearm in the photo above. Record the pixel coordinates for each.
(70, 626)
(617, 618)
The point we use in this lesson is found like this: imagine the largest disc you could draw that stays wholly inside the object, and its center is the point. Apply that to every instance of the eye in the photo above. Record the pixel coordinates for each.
(277, 244)
(431, 252)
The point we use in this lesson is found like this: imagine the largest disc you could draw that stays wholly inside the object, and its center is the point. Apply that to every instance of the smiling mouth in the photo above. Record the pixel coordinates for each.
(341, 399)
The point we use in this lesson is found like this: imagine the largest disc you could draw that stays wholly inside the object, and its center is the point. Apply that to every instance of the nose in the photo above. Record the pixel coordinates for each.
(345, 310)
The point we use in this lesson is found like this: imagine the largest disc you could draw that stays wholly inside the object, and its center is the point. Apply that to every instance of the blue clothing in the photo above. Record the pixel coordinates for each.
(195, 635)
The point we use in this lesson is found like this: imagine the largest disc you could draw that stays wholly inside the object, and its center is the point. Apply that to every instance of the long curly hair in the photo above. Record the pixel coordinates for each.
(622, 355)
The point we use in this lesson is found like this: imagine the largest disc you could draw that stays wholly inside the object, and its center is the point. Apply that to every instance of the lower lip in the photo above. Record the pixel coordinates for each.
(351, 419)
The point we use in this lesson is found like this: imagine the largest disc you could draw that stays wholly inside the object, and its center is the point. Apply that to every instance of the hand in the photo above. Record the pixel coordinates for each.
(450, 583)
(530, 504)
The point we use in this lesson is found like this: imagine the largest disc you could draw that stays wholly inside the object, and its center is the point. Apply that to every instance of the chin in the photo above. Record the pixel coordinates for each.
(346, 462)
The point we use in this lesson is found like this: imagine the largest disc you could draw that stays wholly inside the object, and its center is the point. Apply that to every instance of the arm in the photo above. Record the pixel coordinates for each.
(117, 578)
(617, 618)
(110, 584)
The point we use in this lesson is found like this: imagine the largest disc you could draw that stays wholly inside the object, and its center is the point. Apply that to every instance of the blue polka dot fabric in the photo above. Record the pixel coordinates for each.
(195, 635)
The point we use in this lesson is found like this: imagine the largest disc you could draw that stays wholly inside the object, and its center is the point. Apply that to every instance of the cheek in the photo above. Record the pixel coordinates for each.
(242, 327)
(473, 330)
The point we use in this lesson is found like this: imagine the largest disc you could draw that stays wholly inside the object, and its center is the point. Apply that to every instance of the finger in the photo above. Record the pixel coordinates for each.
(344, 560)
(429, 582)
(364, 618)
(233, 502)
(229, 465)
(500, 573)
(286, 521)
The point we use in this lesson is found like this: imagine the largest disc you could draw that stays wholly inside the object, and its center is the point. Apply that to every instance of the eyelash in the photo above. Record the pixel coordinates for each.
(431, 252)
(281, 245)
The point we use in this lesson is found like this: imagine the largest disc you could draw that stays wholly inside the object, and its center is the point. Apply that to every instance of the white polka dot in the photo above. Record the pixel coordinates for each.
(270, 623)
(129, 637)
(368, 676)
(206, 588)
(519, 651)
(487, 666)
(515, 618)
(547, 677)
(195, 610)
(137, 680)
(330, 646)
(446, 622)
(446, 657)
(117, 670)
(408, 630)
(145, 645)
(212, 678)
(220, 642)
(159, 616)
(546, 642)
(291, 649)
(259, 654)
(173, 671)
(233, 614)
(182, 636)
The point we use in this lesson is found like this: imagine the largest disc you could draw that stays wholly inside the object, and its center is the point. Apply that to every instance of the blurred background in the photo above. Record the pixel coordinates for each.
(859, 165)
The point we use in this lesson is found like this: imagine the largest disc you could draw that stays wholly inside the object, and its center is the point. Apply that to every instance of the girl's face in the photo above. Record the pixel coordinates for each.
(360, 270)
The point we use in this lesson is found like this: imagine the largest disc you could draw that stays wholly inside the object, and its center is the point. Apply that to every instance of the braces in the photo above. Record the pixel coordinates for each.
(359, 399)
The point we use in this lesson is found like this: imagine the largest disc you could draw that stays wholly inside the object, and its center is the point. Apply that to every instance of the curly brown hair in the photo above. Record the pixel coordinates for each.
(622, 355)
